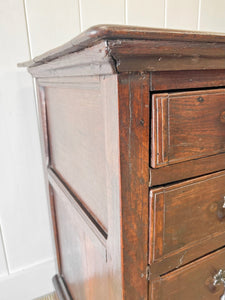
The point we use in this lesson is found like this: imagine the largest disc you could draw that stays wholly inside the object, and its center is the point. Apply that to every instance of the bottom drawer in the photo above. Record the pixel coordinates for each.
(191, 282)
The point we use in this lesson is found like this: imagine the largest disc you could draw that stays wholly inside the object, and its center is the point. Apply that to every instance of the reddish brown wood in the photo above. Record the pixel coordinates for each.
(134, 159)
(183, 217)
(194, 281)
(142, 55)
(108, 32)
(187, 169)
(187, 126)
(168, 80)
(77, 138)
(55, 229)
(78, 246)
(98, 142)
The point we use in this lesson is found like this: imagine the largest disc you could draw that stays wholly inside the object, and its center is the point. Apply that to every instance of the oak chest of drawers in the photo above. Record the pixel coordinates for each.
(133, 130)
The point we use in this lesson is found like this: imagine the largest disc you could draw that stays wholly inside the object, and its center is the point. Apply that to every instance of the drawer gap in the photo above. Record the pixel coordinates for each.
(187, 89)
(184, 180)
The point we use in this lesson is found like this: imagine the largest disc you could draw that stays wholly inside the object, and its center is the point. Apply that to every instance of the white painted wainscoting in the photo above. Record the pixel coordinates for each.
(28, 28)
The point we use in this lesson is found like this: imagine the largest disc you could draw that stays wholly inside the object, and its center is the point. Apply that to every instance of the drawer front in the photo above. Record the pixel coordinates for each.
(192, 282)
(187, 220)
(187, 126)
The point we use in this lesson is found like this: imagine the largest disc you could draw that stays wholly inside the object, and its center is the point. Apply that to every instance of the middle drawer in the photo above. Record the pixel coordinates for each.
(187, 220)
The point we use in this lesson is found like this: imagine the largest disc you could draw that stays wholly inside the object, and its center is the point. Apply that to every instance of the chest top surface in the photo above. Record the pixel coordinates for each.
(129, 48)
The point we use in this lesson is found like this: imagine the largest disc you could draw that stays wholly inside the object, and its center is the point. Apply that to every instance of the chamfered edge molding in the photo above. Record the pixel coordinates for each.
(109, 49)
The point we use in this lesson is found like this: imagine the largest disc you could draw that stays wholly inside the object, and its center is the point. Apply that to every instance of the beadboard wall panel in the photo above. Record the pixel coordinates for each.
(3, 258)
(182, 14)
(150, 13)
(26, 240)
(101, 12)
(212, 15)
(51, 23)
(28, 28)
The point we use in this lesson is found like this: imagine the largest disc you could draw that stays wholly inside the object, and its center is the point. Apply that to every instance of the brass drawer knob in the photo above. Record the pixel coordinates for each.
(222, 117)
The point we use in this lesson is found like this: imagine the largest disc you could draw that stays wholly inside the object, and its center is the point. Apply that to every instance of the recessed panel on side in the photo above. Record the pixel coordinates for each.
(84, 257)
(76, 123)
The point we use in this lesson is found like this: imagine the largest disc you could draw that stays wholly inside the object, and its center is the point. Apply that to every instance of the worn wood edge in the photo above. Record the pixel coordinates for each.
(94, 60)
(161, 55)
(160, 157)
(111, 57)
(106, 31)
(55, 227)
(189, 181)
(155, 283)
(133, 92)
(186, 170)
(187, 254)
(62, 291)
(181, 256)
(189, 79)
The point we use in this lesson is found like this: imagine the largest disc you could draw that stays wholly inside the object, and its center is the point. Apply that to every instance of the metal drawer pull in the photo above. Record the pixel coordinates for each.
(222, 117)
(221, 211)
(219, 278)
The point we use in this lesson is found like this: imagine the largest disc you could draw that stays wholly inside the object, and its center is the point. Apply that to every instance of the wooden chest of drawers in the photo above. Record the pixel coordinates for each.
(133, 130)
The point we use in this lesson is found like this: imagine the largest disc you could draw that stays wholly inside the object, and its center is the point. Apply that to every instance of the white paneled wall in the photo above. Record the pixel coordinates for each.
(51, 22)
(150, 13)
(28, 28)
(25, 241)
(101, 12)
(212, 15)
(182, 14)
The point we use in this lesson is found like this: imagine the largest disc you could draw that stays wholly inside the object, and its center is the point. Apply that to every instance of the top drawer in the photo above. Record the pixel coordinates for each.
(187, 126)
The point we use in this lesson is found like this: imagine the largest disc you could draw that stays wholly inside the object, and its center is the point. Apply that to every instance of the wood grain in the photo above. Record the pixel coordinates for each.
(134, 159)
(186, 169)
(184, 217)
(192, 129)
(86, 278)
(112, 238)
(76, 127)
(97, 33)
(178, 80)
(110, 50)
(194, 281)
(114, 122)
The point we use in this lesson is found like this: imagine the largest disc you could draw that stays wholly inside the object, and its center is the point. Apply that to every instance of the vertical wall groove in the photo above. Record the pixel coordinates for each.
(165, 14)
(199, 13)
(125, 12)
(27, 29)
(80, 16)
(4, 253)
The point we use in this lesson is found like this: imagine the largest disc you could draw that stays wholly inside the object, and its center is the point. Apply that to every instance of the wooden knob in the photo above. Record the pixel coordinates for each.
(222, 117)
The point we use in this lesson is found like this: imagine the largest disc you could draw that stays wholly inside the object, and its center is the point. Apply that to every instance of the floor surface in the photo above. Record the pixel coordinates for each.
(48, 297)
